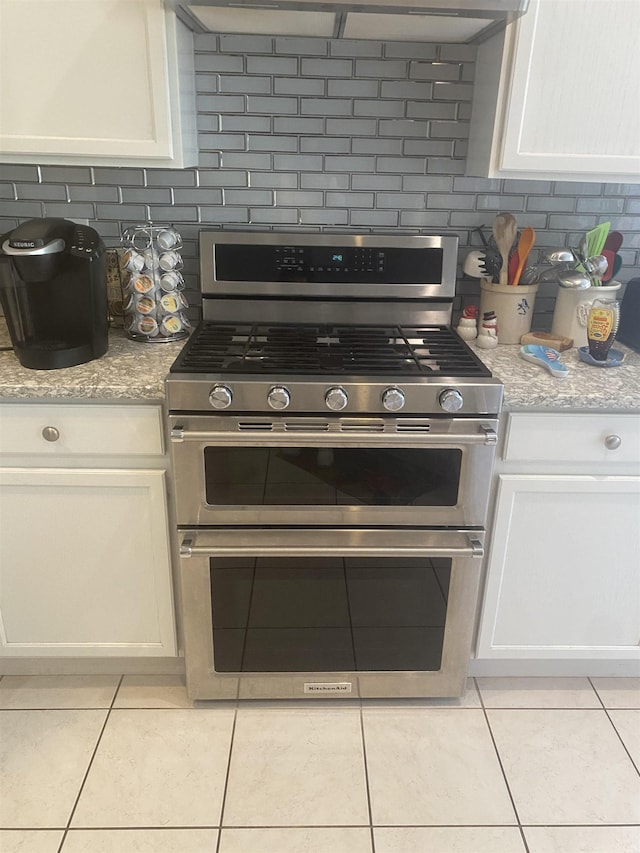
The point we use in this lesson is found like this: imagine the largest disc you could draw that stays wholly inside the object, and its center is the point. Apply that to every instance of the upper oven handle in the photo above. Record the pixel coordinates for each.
(240, 548)
(486, 434)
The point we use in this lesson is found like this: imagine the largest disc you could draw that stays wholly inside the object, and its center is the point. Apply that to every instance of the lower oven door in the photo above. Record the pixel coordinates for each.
(291, 613)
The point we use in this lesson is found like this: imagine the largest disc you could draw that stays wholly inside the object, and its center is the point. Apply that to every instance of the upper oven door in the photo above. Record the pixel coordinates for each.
(310, 471)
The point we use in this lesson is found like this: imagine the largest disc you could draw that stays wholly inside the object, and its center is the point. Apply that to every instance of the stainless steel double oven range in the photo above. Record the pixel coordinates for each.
(332, 442)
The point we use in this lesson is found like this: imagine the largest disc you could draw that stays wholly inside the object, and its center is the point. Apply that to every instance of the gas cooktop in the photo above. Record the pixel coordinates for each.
(306, 349)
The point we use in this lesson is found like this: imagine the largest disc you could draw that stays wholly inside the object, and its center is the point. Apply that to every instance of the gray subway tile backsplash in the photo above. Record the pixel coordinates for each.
(14, 172)
(322, 134)
(363, 145)
(172, 177)
(349, 88)
(79, 210)
(434, 71)
(427, 147)
(41, 192)
(325, 181)
(63, 174)
(600, 205)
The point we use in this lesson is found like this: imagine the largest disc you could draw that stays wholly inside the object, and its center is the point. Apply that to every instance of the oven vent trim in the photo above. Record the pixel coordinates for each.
(407, 426)
(255, 426)
(362, 426)
(317, 426)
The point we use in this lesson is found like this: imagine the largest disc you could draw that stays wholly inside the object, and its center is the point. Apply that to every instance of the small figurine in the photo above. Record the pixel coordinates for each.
(467, 327)
(488, 334)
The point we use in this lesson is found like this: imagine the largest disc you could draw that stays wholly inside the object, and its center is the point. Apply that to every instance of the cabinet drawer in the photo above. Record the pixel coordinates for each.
(541, 437)
(80, 429)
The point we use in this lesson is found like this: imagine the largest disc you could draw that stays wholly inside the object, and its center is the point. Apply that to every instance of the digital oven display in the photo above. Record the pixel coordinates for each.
(378, 264)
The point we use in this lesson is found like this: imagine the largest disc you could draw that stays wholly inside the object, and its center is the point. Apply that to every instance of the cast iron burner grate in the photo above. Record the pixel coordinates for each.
(309, 349)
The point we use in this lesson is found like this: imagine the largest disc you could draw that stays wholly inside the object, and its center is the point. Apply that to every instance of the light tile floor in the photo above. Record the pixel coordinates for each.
(129, 765)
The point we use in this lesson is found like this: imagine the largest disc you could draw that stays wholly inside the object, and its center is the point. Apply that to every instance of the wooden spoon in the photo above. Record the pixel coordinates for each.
(525, 244)
(505, 229)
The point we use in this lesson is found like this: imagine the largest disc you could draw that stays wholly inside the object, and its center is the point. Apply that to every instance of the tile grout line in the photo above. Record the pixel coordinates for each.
(504, 775)
(226, 778)
(87, 771)
(606, 710)
(366, 777)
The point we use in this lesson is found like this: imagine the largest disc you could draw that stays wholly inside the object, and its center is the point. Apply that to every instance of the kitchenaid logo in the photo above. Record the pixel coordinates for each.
(327, 687)
(23, 244)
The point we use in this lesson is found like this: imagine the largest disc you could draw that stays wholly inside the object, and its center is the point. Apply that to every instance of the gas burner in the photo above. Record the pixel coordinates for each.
(310, 349)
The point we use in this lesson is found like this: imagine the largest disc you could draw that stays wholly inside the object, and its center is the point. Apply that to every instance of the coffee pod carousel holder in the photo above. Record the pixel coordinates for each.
(154, 304)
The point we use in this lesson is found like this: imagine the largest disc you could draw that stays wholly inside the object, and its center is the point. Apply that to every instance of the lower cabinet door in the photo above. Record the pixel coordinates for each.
(85, 564)
(564, 569)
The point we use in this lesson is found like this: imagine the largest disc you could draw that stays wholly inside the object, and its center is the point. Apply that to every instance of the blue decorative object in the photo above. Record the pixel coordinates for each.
(545, 357)
(615, 357)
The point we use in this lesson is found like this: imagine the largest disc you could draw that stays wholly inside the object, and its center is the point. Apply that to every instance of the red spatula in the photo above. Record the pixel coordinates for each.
(611, 246)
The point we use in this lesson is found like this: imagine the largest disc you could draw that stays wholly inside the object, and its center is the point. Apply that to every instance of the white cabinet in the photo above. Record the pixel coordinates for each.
(105, 82)
(563, 576)
(85, 565)
(558, 95)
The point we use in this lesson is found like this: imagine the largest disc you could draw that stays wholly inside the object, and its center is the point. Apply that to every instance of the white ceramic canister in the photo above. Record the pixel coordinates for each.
(513, 307)
(572, 308)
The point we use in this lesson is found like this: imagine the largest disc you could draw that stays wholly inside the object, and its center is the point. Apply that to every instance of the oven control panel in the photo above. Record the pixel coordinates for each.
(329, 264)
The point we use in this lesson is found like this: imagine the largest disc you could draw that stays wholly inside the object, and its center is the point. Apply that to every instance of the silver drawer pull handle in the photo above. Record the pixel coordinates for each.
(50, 433)
(612, 442)
(189, 548)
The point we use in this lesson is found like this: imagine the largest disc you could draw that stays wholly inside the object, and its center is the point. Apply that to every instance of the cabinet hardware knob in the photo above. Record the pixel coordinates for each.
(612, 442)
(50, 433)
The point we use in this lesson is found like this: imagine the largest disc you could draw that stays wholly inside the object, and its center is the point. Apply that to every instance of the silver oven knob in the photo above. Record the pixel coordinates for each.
(279, 397)
(220, 397)
(393, 399)
(336, 399)
(451, 400)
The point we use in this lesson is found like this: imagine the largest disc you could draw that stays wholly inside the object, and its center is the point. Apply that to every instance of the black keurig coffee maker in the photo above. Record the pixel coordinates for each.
(53, 291)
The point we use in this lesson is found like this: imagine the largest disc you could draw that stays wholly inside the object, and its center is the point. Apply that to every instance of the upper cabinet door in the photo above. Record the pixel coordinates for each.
(565, 100)
(92, 82)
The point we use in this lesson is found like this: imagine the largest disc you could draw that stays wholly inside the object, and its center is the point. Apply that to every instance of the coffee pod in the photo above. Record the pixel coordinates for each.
(151, 259)
(171, 325)
(130, 303)
(143, 284)
(170, 281)
(167, 239)
(170, 303)
(132, 261)
(130, 321)
(145, 305)
(182, 299)
(170, 260)
(184, 320)
(147, 326)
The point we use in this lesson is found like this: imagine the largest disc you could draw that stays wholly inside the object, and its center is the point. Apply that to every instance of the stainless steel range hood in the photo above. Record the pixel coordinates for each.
(459, 21)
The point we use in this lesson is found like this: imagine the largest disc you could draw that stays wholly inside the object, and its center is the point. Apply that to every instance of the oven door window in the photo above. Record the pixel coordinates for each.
(329, 476)
(324, 614)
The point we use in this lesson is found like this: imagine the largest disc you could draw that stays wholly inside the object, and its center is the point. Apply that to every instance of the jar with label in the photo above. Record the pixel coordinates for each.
(155, 306)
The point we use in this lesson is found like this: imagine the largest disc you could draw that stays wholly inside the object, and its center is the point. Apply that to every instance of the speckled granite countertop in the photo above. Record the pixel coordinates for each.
(528, 386)
(136, 371)
(128, 371)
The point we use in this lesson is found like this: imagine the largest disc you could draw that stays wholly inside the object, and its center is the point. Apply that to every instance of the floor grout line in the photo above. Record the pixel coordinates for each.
(606, 710)
(93, 755)
(366, 779)
(506, 781)
(226, 779)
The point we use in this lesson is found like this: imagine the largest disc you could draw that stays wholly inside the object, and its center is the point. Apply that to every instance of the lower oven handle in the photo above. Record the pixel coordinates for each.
(189, 548)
